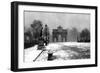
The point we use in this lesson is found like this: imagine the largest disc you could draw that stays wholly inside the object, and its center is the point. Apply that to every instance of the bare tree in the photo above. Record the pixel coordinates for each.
(85, 35)
(37, 27)
(31, 36)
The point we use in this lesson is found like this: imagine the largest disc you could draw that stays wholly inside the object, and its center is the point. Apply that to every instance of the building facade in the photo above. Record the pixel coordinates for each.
(59, 34)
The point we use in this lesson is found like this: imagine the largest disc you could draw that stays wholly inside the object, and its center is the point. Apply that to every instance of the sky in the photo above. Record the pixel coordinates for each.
(55, 19)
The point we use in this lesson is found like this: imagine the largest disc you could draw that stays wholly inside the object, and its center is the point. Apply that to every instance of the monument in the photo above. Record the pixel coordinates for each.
(59, 34)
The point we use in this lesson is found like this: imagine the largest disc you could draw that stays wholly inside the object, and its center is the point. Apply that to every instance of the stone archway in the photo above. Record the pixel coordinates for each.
(59, 34)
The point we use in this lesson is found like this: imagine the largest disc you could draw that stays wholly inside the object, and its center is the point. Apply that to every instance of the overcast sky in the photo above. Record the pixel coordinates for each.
(53, 20)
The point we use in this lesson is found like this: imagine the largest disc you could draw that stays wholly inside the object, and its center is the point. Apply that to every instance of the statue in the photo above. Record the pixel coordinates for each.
(46, 34)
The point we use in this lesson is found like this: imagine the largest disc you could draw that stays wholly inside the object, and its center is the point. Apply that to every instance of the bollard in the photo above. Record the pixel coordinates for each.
(50, 56)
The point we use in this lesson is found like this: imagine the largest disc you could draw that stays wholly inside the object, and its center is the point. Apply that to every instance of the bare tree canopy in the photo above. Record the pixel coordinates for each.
(85, 35)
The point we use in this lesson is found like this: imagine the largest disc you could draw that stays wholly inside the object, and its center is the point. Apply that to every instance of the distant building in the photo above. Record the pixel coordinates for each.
(59, 34)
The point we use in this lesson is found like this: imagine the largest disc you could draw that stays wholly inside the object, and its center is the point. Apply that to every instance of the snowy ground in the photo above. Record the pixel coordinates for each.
(31, 53)
(61, 51)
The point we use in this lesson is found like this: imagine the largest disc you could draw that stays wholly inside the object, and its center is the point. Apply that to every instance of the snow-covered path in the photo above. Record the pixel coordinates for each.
(31, 54)
(61, 51)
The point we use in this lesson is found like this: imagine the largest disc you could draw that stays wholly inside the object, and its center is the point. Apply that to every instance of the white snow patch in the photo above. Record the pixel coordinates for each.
(56, 48)
(31, 53)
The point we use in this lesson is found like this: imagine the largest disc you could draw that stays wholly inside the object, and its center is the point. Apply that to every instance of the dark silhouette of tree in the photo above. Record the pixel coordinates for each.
(32, 36)
(85, 35)
(37, 28)
(27, 39)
